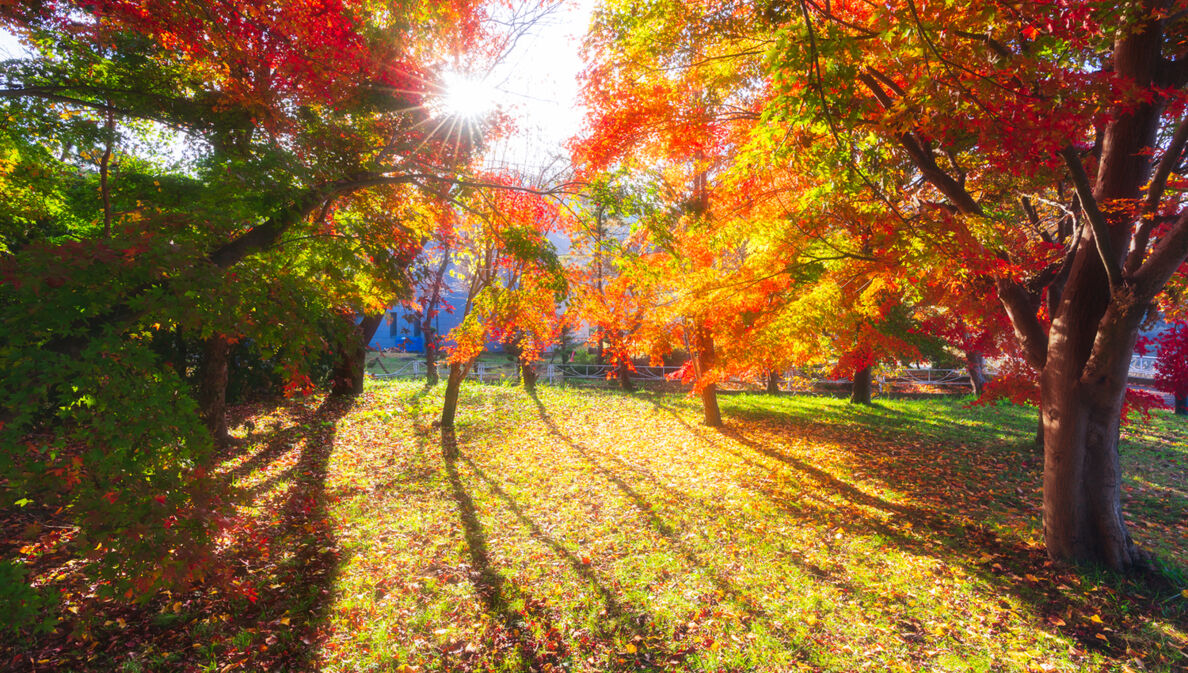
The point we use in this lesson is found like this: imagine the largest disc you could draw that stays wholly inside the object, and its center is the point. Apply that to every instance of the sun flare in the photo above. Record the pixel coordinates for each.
(466, 97)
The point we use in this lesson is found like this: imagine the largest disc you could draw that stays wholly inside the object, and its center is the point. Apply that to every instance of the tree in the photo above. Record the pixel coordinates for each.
(1171, 367)
(433, 287)
(289, 112)
(514, 283)
(662, 107)
(1079, 105)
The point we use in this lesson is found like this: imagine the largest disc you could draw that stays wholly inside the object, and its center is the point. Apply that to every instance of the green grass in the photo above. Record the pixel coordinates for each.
(598, 531)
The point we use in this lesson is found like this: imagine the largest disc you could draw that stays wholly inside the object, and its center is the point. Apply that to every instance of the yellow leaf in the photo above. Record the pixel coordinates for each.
(1030, 578)
(177, 606)
(1184, 593)
(1096, 619)
(285, 621)
(630, 648)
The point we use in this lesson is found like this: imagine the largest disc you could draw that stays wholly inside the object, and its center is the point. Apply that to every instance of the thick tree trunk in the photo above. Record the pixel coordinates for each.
(860, 388)
(773, 382)
(1082, 478)
(347, 379)
(975, 364)
(624, 374)
(1082, 387)
(449, 407)
(212, 386)
(528, 376)
(1182, 405)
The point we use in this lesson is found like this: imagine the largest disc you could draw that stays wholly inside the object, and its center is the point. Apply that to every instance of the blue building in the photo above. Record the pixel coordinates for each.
(401, 329)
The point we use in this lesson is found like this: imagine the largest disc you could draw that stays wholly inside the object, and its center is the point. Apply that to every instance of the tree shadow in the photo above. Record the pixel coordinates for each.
(667, 532)
(263, 594)
(286, 559)
(960, 497)
(495, 593)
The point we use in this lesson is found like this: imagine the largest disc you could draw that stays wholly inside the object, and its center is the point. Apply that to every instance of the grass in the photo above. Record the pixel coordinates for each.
(598, 531)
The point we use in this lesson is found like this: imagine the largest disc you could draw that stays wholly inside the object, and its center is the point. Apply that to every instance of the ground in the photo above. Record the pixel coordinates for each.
(595, 530)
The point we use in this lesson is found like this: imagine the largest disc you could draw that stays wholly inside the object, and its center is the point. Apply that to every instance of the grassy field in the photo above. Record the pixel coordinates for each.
(597, 531)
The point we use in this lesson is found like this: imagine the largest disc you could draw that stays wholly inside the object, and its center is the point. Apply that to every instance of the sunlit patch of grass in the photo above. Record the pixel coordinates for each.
(599, 531)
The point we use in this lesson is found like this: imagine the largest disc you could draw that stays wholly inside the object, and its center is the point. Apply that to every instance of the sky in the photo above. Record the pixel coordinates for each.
(537, 82)
(9, 46)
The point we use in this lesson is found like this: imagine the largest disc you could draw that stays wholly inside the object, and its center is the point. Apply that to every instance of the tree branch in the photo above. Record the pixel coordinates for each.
(1021, 308)
(1165, 259)
(1171, 157)
(1097, 221)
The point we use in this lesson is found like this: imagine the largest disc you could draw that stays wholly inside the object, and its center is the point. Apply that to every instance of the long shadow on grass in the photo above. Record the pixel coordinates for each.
(972, 486)
(640, 623)
(671, 536)
(536, 652)
(291, 559)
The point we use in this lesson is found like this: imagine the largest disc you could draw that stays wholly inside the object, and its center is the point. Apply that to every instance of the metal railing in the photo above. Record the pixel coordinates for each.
(1143, 366)
(793, 379)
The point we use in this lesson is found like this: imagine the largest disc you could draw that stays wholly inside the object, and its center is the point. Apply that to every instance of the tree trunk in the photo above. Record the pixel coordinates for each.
(976, 365)
(706, 359)
(430, 355)
(212, 386)
(1083, 520)
(860, 389)
(1082, 387)
(624, 372)
(449, 407)
(773, 382)
(528, 376)
(347, 379)
(105, 171)
(1181, 405)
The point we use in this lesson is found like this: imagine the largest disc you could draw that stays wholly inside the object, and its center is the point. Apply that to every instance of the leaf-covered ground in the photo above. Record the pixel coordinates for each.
(595, 531)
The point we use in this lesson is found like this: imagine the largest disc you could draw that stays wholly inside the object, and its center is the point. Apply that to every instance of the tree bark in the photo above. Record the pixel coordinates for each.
(528, 376)
(706, 359)
(1083, 520)
(773, 382)
(212, 386)
(975, 364)
(104, 170)
(1181, 405)
(430, 355)
(347, 379)
(860, 388)
(428, 313)
(624, 375)
(449, 407)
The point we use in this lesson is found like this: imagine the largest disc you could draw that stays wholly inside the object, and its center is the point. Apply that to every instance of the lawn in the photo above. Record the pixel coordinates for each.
(595, 531)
